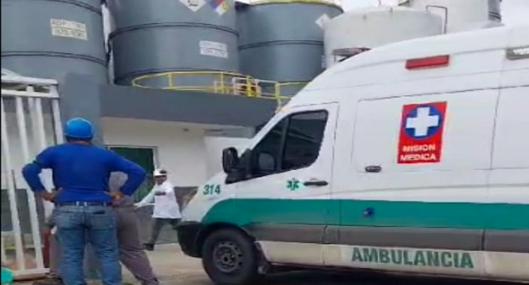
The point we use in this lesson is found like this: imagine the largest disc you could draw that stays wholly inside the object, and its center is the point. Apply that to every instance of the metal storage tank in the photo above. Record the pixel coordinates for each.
(50, 38)
(283, 41)
(368, 28)
(461, 15)
(151, 37)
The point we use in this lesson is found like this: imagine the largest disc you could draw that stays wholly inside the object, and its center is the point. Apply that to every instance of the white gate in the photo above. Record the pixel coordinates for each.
(30, 121)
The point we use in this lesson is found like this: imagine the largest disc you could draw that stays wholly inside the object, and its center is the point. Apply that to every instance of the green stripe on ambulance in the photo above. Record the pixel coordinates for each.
(412, 214)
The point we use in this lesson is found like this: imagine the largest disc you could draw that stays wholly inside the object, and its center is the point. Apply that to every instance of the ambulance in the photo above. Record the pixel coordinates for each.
(409, 158)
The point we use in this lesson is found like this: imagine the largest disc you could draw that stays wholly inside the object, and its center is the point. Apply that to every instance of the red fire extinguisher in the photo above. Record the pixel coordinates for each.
(46, 249)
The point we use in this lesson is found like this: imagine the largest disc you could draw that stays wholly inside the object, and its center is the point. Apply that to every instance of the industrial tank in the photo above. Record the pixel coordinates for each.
(461, 15)
(283, 41)
(50, 38)
(151, 37)
(368, 28)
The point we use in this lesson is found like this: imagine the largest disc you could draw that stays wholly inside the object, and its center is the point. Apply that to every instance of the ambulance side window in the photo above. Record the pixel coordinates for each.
(303, 140)
(292, 144)
(266, 154)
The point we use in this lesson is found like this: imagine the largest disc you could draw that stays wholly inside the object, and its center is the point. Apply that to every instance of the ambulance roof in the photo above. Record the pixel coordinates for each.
(387, 63)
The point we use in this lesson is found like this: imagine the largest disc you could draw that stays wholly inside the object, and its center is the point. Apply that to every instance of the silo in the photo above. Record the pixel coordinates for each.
(461, 15)
(150, 37)
(368, 28)
(283, 40)
(50, 38)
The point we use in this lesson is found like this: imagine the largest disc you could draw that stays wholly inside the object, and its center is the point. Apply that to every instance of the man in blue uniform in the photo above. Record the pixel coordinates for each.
(83, 212)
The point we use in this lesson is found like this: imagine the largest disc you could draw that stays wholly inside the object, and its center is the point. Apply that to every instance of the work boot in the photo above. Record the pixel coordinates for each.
(49, 281)
(149, 246)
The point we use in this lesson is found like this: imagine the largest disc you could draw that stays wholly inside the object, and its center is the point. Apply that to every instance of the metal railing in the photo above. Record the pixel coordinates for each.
(218, 82)
(29, 107)
(337, 3)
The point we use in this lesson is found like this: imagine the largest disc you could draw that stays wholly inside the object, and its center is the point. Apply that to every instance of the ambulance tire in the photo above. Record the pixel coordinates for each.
(230, 258)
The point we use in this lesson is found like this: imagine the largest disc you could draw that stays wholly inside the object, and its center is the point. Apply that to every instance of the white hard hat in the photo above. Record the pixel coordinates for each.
(159, 172)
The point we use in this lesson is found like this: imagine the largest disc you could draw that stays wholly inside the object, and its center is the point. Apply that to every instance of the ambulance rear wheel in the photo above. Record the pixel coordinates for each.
(230, 258)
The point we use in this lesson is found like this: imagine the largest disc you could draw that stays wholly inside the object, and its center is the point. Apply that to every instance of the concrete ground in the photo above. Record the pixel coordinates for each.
(174, 268)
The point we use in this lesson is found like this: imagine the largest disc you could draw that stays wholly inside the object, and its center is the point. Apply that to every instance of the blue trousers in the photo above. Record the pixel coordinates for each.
(79, 225)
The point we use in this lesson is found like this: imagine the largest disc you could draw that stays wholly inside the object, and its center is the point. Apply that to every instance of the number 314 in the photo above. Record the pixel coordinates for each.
(211, 189)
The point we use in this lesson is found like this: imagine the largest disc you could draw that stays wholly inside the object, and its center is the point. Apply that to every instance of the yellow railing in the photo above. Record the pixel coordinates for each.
(337, 3)
(228, 83)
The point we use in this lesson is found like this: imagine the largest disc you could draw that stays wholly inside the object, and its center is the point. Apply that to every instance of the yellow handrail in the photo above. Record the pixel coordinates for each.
(228, 83)
(336, 3)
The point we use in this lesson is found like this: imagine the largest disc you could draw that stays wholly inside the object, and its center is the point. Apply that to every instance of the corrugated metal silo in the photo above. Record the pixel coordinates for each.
(150, 37)
(50, 38)
(283, 41)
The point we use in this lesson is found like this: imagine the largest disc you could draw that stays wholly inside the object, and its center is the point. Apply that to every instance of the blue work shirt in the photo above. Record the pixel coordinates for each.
(82, 172)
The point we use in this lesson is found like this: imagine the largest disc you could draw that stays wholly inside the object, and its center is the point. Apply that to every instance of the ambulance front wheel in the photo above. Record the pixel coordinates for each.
(230, 258)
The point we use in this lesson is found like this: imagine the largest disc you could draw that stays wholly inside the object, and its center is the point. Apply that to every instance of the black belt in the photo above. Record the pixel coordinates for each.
(104, 204)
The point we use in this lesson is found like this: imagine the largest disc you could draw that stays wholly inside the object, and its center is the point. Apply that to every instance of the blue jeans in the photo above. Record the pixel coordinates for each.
(79, 225)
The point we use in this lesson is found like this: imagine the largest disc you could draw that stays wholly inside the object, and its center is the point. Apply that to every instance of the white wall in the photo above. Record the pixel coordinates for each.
(179, 149)
(214, 147)
(189, 156)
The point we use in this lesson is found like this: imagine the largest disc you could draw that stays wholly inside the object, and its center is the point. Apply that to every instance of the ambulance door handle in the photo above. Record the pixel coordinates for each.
(373, 168)
(316, 183)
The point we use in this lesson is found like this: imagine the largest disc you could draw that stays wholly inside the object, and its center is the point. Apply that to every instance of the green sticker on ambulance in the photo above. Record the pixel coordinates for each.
(293, 184)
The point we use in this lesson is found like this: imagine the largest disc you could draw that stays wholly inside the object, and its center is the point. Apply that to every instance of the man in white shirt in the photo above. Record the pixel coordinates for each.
(166, 208)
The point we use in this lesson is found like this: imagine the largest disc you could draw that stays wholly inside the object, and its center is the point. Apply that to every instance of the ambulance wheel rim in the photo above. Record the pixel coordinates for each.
(227, 257)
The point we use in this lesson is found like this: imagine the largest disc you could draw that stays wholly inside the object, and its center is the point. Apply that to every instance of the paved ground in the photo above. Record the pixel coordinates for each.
(173, 268)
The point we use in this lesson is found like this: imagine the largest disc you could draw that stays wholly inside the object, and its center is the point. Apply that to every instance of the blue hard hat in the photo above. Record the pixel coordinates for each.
(79, 128)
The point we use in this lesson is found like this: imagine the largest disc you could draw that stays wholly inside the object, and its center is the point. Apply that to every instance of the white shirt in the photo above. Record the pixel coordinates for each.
(165, 206)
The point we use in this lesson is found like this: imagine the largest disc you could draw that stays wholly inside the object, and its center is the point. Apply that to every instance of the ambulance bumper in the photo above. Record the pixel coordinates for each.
(188, 233)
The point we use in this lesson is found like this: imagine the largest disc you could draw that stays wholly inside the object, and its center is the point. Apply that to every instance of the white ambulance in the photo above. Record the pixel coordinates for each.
(413, 157)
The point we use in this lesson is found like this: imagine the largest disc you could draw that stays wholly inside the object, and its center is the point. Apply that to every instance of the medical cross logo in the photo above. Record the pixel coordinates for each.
(423, 122)
(421, 133)
(293, 184)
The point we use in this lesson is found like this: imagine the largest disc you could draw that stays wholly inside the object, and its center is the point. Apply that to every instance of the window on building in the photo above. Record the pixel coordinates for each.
(144, 157)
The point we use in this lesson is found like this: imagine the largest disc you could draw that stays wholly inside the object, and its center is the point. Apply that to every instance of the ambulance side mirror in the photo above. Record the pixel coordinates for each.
(230, 159)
